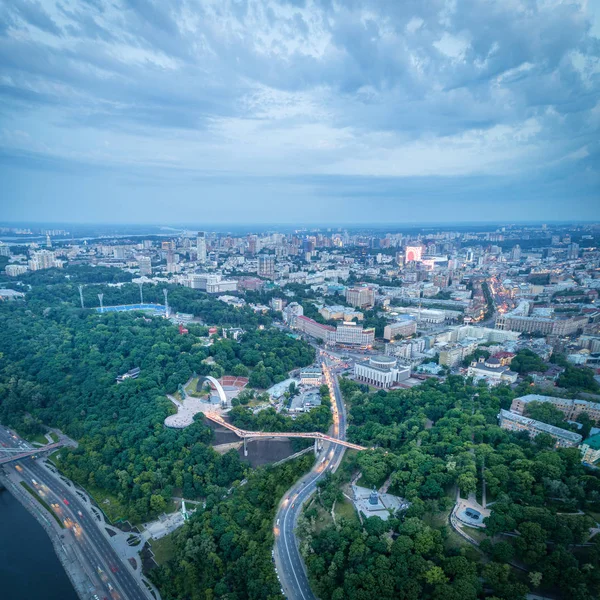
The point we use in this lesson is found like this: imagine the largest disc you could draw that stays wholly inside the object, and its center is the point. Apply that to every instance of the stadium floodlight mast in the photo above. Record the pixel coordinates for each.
(100, 296)
(81, 295)
(141, 285)
(166, 293)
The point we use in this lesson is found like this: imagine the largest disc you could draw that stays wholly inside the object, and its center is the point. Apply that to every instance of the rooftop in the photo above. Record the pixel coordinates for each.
(540, 426)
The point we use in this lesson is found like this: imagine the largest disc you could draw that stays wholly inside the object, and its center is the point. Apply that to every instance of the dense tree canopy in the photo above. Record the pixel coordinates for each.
(58, 366)
(434, 439)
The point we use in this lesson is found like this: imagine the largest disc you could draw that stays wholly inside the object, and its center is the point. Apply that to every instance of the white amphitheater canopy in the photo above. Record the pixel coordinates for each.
(218, 387)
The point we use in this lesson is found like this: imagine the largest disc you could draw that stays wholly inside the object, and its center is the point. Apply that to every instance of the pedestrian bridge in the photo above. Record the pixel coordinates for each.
(17, 454)
(315, 435)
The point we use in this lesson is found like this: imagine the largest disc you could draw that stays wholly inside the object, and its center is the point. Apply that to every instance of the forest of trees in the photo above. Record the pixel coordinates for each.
(58, 365)
(225, 550)
(433, 440)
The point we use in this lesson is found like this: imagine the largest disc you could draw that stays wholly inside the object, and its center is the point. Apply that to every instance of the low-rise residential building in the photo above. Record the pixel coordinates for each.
(381, 371)
(569, 407)
(514, 422)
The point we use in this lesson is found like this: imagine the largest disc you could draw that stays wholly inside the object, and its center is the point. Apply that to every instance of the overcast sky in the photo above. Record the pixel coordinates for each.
(301, 111)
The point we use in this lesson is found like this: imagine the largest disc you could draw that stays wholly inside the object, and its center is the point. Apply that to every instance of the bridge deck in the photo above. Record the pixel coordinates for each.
(242, 433)
(13, 457)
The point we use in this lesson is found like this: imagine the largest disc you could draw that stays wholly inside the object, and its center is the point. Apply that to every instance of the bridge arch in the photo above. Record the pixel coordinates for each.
(218, 386)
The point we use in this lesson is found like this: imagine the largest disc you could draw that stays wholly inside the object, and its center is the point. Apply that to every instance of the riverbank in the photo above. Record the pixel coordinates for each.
(62, 548)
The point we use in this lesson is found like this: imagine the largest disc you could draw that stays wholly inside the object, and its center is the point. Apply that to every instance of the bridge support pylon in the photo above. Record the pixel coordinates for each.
(245, 448)
(318, 447)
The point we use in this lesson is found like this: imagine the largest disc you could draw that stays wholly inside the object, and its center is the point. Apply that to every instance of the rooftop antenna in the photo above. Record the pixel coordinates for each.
(141, 285)
(81, 295)
(166, 292)
(100, 296)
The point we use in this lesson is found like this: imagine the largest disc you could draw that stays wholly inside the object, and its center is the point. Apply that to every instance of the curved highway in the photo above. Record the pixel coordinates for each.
(288, 562)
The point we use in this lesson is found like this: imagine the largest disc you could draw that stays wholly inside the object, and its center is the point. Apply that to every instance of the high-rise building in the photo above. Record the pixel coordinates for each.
(145, 265)
(515, 255)
(362, 297)
(15, 270)
(4, 250)
(573, 251)
(201, 246)
(43, 259)
(252, 244)
(48, 241)
(266, 265)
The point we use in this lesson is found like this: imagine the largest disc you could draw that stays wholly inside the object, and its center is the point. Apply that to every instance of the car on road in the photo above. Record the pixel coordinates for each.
(114, 568)
(66, 501)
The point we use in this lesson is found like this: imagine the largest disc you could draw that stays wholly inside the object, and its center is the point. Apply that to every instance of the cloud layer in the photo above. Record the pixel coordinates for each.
(300, 105)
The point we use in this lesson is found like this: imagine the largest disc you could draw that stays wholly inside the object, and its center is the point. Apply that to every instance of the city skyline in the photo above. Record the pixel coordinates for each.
(299, 111)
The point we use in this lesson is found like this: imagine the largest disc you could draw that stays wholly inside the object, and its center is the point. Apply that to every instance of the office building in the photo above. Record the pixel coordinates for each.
(4, 249)
(380, 371)
(538, 324)
(514, 422)
(361, 297)
(353, 335)
(211, 283)
(404, 327)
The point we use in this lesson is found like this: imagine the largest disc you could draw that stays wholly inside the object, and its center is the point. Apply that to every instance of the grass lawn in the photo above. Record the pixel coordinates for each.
(345, 510)
(476, 533)
(323, 518)
(54, 436)
(594, 515)
(190, 389)
(164, 549)
(109, 504)
(55, 457)
(40, 438)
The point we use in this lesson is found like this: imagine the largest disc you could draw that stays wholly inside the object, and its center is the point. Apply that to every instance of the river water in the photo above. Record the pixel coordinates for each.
(29, 568)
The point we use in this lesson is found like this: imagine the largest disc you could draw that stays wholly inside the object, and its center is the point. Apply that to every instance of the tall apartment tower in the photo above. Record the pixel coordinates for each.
(145, 265)
(201, 246)
(266, 265)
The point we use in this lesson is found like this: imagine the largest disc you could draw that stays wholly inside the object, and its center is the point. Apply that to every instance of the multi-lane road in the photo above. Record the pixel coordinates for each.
(288, 561)
(108, 575)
